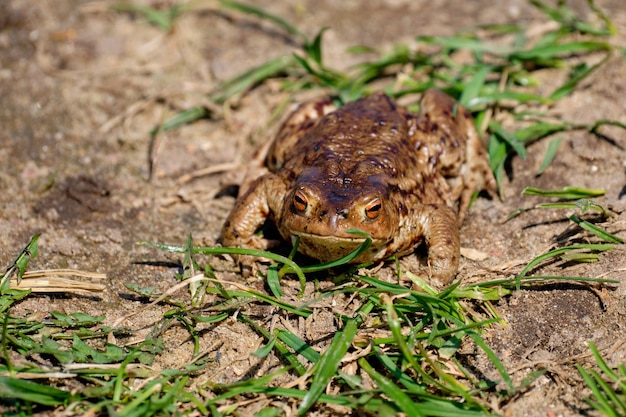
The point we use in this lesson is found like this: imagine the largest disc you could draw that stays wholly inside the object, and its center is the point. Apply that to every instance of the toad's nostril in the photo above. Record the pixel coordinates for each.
(343, 213)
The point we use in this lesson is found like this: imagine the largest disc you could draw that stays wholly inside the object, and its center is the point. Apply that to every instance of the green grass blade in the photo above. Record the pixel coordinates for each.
(552, 51)
(558, 205)
(540, 130)
(253, 387)
(444, 381)
(598, 123)
(567, 19)
(602, 363)
(182, 118)
(322, 75)
(304, 312)
(472, 88)
(211, 319)
(567, 193)
(602, 234)
(217, 250)
(20, 263)
(142, 398)
(529, 280)
(273, 281)
(602, 405)
(579, 73)
(13, 388)
(299, 345)
(164, 20)
(396, 371)
(494, 359)
(276, 344)
(391, 390)
(493, 97)
(445, 408)
(191, 268)
(252, 77)
(327, 366)
(244, 386)
(539, 259)
(609, 396)
(287, 269)
(509, 138)
(265, 350)
(262, 14)
(553, 147)
(469, 44)
(610, 27)
(314, 49)
(554, 14)
(497, 151)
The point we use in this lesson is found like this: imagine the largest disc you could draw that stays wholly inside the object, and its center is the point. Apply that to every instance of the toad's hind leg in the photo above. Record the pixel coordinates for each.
(456, 145)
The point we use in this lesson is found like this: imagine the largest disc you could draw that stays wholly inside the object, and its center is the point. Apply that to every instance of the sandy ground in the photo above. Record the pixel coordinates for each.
(81, 87)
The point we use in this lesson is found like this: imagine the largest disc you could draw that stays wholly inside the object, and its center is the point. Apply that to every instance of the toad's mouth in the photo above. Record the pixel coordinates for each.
(329, 247)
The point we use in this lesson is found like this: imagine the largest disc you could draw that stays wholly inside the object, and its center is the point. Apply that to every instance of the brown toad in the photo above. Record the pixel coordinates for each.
(373, 166)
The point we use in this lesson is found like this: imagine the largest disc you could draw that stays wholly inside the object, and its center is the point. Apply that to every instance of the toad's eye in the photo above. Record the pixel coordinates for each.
(300, 201)
(372, 210)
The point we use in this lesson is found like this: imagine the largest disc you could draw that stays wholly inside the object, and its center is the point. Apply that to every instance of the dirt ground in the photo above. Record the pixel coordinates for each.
(81, 87)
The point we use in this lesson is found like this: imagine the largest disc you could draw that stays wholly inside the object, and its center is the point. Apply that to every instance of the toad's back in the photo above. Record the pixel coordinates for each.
(367, 137)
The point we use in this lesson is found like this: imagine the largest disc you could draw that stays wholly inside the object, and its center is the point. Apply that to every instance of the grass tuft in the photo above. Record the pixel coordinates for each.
(608, 387)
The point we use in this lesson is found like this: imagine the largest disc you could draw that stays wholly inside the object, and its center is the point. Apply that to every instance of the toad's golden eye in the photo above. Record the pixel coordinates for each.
(372, 210)
(300, 201)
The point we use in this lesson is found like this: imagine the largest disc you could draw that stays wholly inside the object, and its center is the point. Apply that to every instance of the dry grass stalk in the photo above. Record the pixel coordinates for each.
(59, 281)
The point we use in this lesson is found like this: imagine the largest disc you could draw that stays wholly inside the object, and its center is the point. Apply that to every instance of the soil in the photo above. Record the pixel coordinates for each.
(81, 86)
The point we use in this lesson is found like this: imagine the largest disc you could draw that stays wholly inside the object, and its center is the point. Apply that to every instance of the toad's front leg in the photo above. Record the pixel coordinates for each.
(250, 212)
(441, 234)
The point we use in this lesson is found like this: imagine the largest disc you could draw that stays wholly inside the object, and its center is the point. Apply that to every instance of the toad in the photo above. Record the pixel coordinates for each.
(404, 179)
